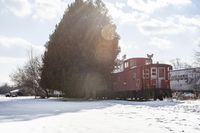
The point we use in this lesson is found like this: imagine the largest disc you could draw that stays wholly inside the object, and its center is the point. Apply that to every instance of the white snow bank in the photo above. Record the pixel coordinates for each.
(28, 115)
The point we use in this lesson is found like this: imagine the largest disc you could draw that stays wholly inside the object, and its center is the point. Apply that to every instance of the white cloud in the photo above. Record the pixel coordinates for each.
(126, 45)
(120, 5)
(113, 10)
(170, 25)
(16, 41)
(38, 9)
(160, 43)
(17, 47)
(189, 21)
(11, 60)
(20, 8)
(157, 33)
(149, 6)
(125, 17)
(133, 17)
(155, 26)
(49, 9)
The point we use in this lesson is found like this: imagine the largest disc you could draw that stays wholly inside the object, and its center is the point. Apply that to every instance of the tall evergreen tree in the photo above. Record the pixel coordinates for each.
(80, 54)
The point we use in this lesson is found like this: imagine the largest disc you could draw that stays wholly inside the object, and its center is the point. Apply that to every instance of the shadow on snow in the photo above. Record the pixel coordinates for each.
(29, 109)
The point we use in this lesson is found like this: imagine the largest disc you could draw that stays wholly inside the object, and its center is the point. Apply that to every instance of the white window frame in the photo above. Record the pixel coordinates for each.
(159, 72)
(152, 73)
(146, 74)
(126, 64)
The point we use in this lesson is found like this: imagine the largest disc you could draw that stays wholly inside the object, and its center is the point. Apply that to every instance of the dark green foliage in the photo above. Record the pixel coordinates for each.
(81, 50)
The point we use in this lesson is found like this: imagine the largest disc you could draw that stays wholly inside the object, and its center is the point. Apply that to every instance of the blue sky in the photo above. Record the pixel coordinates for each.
(168, 28)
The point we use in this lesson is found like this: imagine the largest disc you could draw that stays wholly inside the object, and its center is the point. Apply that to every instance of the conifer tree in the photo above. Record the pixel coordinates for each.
(80, 54)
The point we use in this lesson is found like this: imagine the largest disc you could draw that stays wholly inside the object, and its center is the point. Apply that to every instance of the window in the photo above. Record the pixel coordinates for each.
(161, 72)
(168, 68)
(146, 73)
(179, 77)
(153, 71)
(132, 63)
(126, 64)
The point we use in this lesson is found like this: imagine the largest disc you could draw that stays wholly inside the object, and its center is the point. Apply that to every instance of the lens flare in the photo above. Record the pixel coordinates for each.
(108, 32)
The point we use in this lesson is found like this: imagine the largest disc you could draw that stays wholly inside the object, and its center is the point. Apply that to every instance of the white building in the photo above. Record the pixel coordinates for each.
(185, 79)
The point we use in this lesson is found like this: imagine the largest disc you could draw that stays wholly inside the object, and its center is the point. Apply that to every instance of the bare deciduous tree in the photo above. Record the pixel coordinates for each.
(28, 77)
(197, 58)
(178, 64)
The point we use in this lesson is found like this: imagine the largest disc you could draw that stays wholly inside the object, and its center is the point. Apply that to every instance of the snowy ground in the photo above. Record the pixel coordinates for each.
(29, 115)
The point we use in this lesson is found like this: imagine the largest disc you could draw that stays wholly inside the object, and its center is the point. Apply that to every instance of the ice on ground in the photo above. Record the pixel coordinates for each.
(29, 115)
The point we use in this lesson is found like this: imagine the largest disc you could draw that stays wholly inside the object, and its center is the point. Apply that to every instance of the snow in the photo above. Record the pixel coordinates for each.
(29, 115)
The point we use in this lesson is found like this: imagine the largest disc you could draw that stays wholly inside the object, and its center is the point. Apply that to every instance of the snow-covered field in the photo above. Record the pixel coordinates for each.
(29, 115)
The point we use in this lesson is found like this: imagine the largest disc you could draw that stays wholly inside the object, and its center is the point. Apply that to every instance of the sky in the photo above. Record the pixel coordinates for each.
(167, 28)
